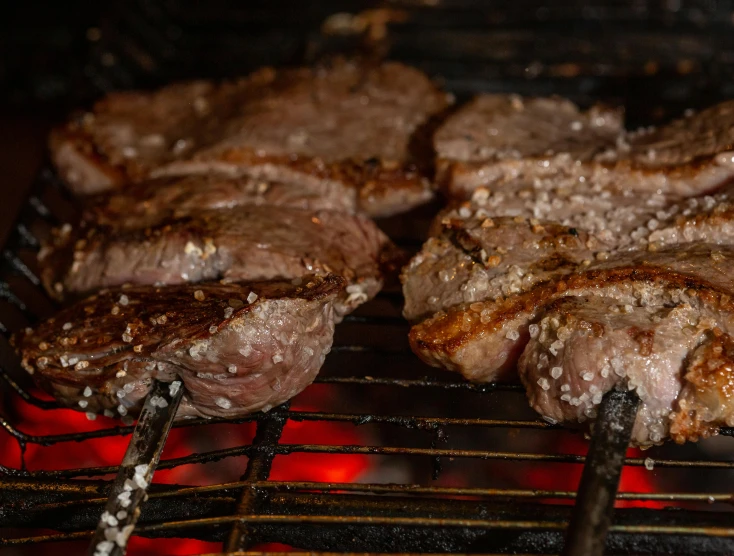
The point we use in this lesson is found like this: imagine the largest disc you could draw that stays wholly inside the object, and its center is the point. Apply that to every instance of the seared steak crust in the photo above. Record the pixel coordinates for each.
(237, 348)
(351, 123)
(154, 201)
(498, 140)
(251, 243)
(484, 340)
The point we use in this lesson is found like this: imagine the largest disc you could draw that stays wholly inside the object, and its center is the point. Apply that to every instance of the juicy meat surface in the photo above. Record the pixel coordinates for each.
(582, 347)
(498, 140)
(484, 340)
(154, 201)
(237, 348)
(352, 123)
(707, 398)
(250, 243)
(503, 242)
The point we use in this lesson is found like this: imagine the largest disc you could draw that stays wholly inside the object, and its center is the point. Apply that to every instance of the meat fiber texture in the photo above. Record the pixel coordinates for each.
(155, 201)
(234, 348)
(350, 124)
(503, 139)
(621, 264)
(250, 243)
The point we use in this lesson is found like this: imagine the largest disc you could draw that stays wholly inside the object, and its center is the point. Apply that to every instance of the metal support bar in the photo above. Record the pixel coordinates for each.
(258, 469)
(594, 508)
(136, 471)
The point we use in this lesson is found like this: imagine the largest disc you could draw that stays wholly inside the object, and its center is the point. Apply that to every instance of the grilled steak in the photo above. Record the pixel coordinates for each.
(155, 201)
(251, 243)
(533, 235)
(484, 340)
(238, 348)
(705, 402)
(582, 347)
(352, 124)
(498, 140)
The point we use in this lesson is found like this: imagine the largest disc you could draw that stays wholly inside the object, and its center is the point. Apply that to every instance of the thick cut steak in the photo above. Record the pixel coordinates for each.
(483, 340)
(237, 348)
(355, 124)
(502, 243)
(154, 201)
(250, 243)
(504, 139)
(582, 347)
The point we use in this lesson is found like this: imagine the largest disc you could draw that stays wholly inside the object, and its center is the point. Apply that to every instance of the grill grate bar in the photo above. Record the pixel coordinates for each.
(33, 488)
(288, 449)
(267, 436)
(395, 522)
(136, 470)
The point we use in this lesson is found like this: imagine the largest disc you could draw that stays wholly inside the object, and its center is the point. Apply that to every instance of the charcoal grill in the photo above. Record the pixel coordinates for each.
(655, 58)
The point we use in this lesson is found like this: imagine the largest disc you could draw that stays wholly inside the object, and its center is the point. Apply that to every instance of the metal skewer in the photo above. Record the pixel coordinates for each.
(594, 508)
(136, 471)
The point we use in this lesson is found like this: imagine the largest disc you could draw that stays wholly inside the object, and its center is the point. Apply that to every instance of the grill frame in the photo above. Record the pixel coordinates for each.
(366, 517)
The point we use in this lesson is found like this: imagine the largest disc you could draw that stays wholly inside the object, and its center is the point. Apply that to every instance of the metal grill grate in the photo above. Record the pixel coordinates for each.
(349, 516)
(430, 423)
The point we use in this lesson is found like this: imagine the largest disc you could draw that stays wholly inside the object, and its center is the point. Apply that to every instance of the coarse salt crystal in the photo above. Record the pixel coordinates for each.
(122, 514)
(87, 392)
(565, 388)
(228, 312)
(121, 409)
(556, 372)
(512, 335)
(174, 387)
(252, 297)
(224, 403)
(213, 329)
(277, 358)
(67, 326)
(534, 330)
(91, 416)
(83, 403)
(232, 369)
(588, 376)
(543, 383)
(140, 481)
(649, 464)
(123, 300)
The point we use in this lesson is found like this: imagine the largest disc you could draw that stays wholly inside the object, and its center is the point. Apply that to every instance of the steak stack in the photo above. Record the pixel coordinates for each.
(222, 233)
(586, 258)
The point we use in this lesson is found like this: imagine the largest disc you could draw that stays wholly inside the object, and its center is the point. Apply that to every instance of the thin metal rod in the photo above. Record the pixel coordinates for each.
(258, 469)
(136, 471)
(594, 508)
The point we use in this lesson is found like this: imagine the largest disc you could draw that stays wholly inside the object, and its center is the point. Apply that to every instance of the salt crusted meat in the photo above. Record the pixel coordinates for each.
(582, 347)
(483, 340)
(352, 124)
(234, 348)
(250, 243)
(505, 241)
(503, 139)
(667, 303)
